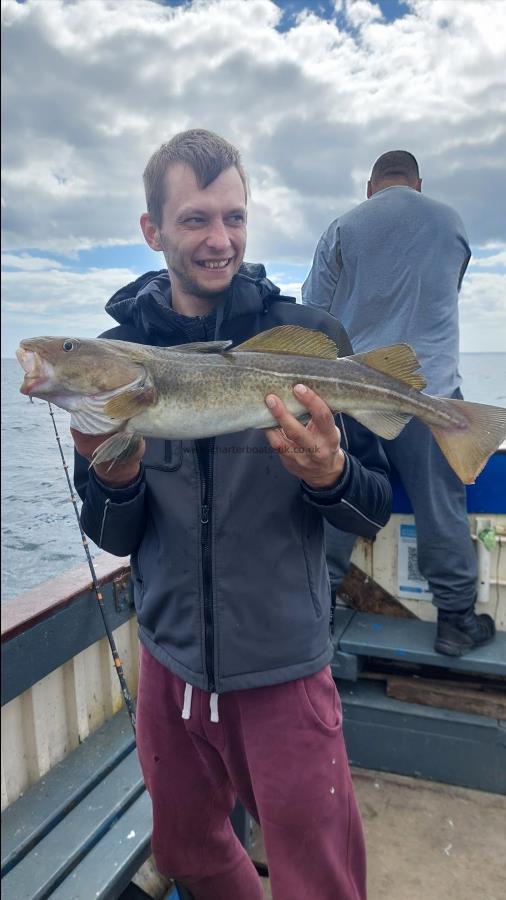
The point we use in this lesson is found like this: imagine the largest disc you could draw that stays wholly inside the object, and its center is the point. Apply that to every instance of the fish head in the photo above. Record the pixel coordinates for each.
(66, 366)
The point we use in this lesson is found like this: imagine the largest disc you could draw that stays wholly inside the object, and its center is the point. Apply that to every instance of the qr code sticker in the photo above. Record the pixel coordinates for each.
(414, 573)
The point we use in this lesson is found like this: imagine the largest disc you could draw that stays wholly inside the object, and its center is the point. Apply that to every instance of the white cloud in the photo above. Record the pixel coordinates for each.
(482, 298)
(290, 288)
(92, 87)
(57, 302)
(495, 260)
(28, 263)
(483, 313)
(362, 12)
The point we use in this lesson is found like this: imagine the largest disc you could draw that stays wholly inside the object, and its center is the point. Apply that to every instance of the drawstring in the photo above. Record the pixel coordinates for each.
(187, 704)
(213, 703)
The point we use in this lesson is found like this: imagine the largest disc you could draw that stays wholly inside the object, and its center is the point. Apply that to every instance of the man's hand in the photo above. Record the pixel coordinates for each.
(311, 452)
(120, 474)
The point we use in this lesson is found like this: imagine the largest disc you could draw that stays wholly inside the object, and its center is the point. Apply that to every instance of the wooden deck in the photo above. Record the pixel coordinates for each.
(426, 840)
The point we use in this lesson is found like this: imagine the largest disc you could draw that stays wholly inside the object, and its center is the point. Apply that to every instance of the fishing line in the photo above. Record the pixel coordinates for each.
(127, 697)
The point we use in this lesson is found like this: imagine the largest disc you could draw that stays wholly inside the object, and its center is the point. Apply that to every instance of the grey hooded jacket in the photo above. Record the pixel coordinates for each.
(228, 561)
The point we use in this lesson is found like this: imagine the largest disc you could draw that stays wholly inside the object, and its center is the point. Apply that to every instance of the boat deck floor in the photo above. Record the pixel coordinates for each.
(426, 839)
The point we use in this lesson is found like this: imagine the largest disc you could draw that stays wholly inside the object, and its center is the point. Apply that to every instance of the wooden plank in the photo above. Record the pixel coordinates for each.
(33, 815)
(341, 618)
(23, 611)
(149, 880)
(448, 695)
(57, 854)
(346, 665)
(410, 640)
(110, 865)
(56, 639)
(410, 739)
(361, 592)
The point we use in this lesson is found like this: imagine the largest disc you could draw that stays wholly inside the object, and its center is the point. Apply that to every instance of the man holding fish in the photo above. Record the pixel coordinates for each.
(391, 269)
(236, 697)
(222, 510)
(257, 579)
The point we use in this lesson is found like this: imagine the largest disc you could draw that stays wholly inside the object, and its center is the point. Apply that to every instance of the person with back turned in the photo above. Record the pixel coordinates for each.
(391, 270)
(236, 696)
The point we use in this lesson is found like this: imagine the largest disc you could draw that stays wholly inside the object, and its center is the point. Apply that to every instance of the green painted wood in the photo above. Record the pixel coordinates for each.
(341, 618)
(108, 868)
(57, 854)
(33, 815)
(346, 665)
(410, 739)
(410, 640)
(52, 642)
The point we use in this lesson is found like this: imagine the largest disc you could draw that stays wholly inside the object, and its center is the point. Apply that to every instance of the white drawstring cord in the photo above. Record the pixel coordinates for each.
(213, 703)
(187, 702)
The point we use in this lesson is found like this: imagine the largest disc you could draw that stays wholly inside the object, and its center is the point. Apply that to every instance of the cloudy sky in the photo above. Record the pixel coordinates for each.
(311, 93)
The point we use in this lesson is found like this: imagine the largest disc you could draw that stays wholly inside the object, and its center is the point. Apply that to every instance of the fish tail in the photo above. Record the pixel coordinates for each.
(468, 447)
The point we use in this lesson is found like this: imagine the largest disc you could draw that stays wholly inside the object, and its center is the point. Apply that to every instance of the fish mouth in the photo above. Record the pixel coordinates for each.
(36, 373)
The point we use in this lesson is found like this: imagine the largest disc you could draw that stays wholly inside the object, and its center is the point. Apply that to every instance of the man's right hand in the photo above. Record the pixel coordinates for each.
(120, 474)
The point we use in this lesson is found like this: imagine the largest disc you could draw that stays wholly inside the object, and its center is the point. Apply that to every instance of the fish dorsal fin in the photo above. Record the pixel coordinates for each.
(202, 347)
(397, 360)
(292, 340)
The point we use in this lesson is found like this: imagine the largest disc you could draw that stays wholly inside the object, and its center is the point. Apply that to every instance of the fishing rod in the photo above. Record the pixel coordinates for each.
(127, 697)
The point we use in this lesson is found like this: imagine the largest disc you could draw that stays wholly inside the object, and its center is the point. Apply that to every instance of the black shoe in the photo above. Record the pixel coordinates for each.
(460, 632)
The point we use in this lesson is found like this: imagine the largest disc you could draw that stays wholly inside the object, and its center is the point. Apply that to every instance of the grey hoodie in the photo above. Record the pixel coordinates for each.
(228, 561)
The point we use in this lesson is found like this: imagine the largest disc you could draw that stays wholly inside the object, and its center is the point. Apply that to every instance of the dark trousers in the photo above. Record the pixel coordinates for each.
(280, 749)
(446, 556)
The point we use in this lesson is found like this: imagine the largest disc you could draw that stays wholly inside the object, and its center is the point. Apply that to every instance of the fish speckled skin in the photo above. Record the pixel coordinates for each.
(226, 393)
(196, 391)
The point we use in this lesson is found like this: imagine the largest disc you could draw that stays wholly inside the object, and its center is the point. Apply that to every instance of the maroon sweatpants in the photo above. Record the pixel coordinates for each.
(280, 749)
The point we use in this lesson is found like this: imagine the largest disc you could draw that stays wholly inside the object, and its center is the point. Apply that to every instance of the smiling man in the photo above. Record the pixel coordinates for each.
(202, 233)
(236, 697)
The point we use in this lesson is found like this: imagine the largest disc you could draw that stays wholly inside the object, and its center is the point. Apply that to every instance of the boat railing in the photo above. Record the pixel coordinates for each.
(59, 683)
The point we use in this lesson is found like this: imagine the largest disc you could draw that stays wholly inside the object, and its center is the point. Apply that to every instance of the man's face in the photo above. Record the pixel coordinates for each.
(203, 231)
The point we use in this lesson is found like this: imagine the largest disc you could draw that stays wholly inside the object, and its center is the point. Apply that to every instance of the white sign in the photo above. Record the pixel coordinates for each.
(410, 583)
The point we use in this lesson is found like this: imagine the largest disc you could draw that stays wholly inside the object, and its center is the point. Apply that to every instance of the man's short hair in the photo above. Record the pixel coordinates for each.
(205, 152)
(395, 164)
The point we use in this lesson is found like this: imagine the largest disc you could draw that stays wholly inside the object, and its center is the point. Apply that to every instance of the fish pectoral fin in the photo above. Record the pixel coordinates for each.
(117, 448)
(397, 360)
(202, 347)
(131, 402)
(292, 340)
(386, 424)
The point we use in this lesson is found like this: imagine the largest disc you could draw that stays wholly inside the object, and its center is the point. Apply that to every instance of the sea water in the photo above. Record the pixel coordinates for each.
(40, 536)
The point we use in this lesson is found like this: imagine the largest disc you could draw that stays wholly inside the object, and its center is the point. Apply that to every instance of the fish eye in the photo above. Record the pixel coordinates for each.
(68, 345)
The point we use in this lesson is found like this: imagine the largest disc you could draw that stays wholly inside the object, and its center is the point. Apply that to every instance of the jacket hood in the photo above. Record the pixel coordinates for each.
(145, 302)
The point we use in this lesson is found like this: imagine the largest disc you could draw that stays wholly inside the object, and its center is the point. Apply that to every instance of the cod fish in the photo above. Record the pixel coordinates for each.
(205, 389)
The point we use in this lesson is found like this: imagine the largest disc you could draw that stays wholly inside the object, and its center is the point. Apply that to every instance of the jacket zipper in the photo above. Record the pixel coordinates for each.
(205, 450)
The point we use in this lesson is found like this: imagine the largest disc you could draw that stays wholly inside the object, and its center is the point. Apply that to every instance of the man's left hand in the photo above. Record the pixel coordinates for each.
(311, 452)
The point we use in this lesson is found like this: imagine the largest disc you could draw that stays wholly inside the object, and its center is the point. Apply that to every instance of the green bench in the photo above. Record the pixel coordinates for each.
(84, 829)
(410, 738)
(361, 635)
